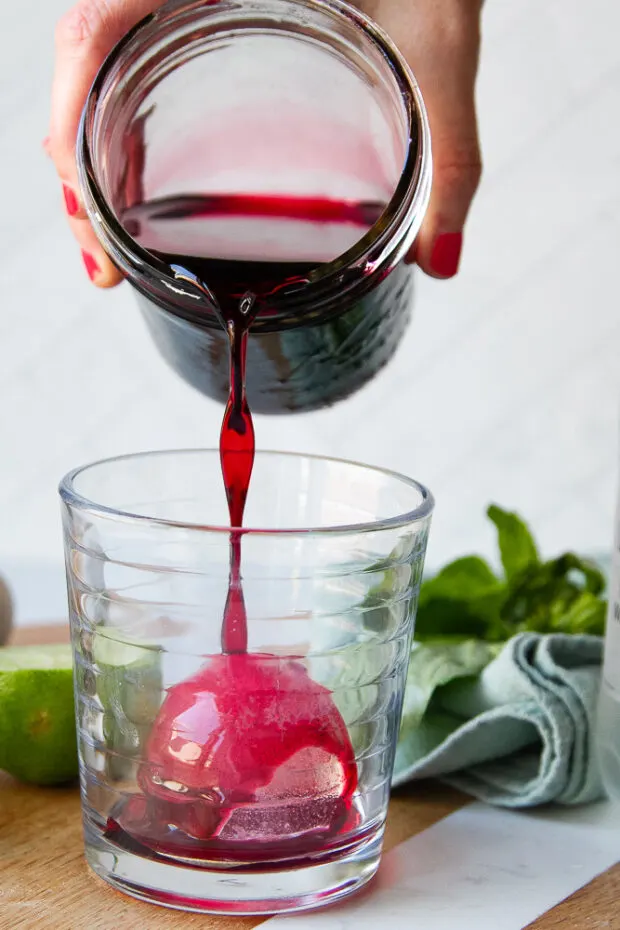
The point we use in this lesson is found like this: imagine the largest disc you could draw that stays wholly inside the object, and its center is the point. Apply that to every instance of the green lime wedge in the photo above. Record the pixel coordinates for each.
(129, 678)
(119, 652)
(37, 721)
(129, 688)
(39, 658)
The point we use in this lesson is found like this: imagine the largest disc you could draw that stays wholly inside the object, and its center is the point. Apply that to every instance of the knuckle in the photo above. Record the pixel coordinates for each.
(80, 25)
(460, 23)
(462, 173)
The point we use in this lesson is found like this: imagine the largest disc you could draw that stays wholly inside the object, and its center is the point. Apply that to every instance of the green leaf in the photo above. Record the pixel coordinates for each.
(414, 744)
(586, 614)
(462, 579)
(561, 595)
(516, 543)
(583, 573)
(352, 676)
(436, 663)
(463, 599)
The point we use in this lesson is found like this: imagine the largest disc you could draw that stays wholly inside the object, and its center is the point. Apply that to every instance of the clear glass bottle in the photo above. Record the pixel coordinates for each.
(278, 101)
(608, 723)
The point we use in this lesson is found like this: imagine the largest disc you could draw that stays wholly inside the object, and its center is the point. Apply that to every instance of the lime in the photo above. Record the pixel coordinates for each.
(129, 688)
(37, 721)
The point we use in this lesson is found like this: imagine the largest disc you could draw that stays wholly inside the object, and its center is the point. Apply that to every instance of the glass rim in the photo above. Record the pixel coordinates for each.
(387, 240)
(72, 498)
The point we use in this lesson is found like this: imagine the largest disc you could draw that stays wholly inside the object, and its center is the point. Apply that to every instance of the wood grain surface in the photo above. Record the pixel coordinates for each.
(46, 885)
(596, 906)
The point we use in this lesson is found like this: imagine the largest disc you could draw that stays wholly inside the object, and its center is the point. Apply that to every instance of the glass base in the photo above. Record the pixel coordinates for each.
(268, 890)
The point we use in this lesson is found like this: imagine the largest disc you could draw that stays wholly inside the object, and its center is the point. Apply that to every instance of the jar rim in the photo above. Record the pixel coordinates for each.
(385, 243)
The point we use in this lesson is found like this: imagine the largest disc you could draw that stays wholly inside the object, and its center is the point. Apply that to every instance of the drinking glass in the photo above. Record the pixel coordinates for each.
(263, 790)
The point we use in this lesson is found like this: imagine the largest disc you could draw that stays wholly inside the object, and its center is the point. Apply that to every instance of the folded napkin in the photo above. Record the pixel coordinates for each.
(512, 726)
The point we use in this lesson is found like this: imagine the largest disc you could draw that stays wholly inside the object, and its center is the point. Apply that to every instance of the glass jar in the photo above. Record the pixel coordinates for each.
(301, 132)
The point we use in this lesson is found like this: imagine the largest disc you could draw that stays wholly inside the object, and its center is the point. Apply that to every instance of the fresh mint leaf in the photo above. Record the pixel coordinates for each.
(584, 573)
(415, 743)
(464, 578)
(467, 600)
(516, 544)
(463, 599)
(435, 663)
(586, 614)
(558, 596)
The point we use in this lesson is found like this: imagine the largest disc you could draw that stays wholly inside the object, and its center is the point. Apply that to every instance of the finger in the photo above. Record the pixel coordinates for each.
(446, 71)
(84, 36)
(93, 255)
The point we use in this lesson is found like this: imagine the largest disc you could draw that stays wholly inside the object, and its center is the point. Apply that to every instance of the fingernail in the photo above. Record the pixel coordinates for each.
(446, 254)
(90, 264)
(71, 202)
(46, 145)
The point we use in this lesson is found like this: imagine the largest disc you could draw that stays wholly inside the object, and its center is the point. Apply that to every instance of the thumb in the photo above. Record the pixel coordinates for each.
(446, 74)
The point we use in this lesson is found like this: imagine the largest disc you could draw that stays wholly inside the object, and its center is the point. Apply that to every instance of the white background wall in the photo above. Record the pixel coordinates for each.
(509, 374)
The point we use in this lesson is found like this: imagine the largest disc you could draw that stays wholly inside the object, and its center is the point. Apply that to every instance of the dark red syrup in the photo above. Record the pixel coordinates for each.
(249, 760)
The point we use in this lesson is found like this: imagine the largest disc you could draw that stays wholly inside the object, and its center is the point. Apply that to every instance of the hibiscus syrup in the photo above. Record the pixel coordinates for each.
(249, 759)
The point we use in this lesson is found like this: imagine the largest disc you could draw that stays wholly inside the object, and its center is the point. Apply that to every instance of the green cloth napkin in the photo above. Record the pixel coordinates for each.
(511, 725)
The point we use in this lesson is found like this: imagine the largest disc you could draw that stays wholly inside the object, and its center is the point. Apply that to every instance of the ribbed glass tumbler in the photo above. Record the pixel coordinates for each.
(246, 782)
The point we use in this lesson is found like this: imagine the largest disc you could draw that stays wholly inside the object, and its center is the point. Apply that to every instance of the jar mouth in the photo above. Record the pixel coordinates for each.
(354, 271)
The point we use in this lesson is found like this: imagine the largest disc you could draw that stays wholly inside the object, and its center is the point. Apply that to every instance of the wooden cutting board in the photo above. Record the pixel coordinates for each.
(46, 885)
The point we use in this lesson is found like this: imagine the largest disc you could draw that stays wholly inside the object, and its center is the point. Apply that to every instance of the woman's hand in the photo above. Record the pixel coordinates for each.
(439, 38)
(84, 36)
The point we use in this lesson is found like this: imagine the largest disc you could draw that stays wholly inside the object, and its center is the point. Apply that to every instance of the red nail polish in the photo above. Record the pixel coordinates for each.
(90, 264)
(446, 254)
(71, 201)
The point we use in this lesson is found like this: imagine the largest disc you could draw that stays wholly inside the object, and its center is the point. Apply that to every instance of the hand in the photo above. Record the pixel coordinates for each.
(439, 38)
(84, 36)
